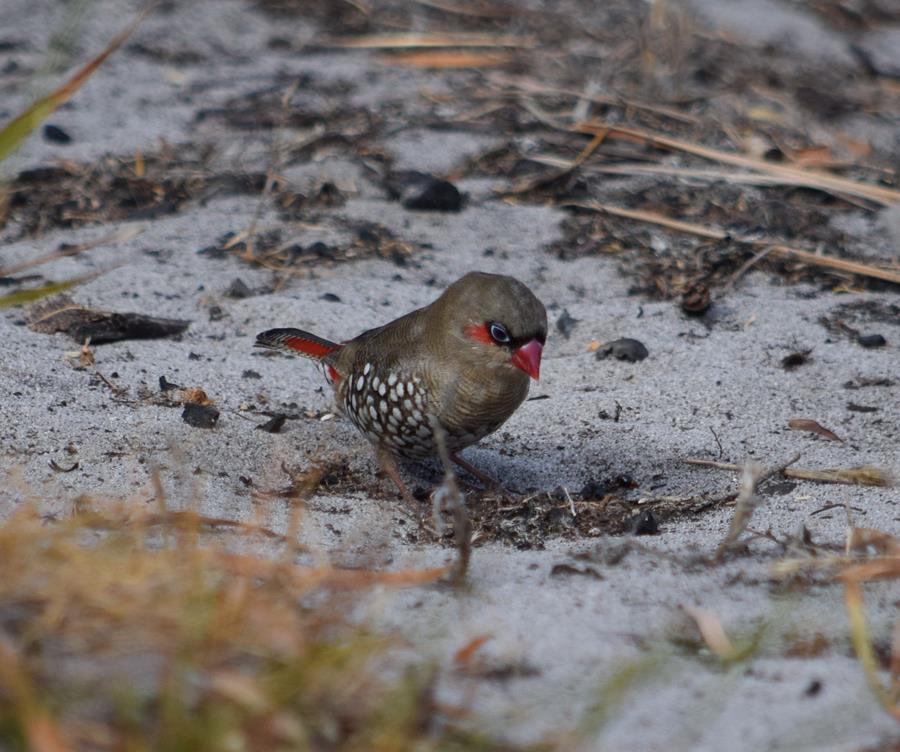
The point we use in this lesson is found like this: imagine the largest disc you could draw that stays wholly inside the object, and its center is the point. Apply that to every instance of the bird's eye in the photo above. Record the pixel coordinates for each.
(499, 334)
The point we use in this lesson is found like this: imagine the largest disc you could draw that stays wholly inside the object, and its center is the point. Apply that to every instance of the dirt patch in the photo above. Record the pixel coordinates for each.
(139, 187)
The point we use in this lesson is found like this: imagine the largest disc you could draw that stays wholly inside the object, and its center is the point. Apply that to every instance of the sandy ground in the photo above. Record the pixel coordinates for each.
(713, 388)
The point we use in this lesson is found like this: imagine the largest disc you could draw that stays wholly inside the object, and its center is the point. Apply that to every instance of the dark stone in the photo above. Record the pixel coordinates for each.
(871, 340)
(274, 424)
(780, 487)
(320, 249)
(795, 360)
(238, 289)
(250, 374)
(421, 192)
(330, 297)
(56, 135)
(216, 313)
(436, 195)
(623, 349)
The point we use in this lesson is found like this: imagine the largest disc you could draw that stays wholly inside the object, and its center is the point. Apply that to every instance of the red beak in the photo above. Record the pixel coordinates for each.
(528, 359)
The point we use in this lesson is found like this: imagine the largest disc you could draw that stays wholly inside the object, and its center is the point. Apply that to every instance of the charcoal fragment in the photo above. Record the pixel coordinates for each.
(566, 323)
(200, 416)
(645, 524)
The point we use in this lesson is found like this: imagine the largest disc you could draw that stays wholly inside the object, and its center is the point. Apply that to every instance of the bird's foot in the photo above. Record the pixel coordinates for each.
(488, 482)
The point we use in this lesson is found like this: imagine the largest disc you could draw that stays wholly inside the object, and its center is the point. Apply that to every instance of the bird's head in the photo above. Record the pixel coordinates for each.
(498, 318)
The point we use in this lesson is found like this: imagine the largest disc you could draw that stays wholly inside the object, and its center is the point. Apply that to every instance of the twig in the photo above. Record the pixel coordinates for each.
(718, 443)
(713, 233)
(746, 267)
(829, 507)
(530, 184)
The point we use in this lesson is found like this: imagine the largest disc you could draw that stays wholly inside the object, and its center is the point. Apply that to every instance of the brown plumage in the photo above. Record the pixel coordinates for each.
(466, 359)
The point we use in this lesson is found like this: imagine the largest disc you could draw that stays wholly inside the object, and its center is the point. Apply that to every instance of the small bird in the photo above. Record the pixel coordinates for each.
(465, 360)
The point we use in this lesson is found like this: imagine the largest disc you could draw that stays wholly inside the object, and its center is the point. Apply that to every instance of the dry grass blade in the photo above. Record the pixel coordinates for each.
(712, 631)
(871, 555)
(746, 503)
(182, 643)
(691, 173)
(775, 247)
(862, 643)
(479, 10)
(859, 538)
(23, 297)
(122, 236)
(865, 475)
(16, 131)
(310, 578)
(409, 40)
(531, 86)
(40, 731)
(448, 59)
(811, 179)
(752, 474)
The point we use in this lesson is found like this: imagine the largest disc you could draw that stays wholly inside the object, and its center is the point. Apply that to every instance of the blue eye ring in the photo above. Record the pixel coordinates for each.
(499, 334)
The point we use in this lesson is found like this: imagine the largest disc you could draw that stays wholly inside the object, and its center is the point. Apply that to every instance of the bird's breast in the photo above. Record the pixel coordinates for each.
(389, 407)
(478, 403)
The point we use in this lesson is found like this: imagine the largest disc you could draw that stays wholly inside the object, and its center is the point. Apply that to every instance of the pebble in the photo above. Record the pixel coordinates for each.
(871, 340)
(623, 349)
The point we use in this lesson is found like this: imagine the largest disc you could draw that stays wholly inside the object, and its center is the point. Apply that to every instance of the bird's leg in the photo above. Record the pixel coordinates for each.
(486, 479)
(389, 465)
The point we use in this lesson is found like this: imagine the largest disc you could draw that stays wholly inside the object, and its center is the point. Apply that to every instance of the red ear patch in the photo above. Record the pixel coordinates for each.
(480, 333)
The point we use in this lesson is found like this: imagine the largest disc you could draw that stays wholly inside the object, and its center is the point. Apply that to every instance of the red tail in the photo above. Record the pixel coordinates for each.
(301, 343)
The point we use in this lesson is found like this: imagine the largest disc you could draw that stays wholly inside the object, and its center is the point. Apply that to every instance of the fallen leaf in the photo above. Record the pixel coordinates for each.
(195, 395)
(465, 653)
(806, 424)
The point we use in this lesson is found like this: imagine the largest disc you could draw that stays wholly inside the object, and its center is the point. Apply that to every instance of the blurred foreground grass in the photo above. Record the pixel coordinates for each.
(130, 629)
